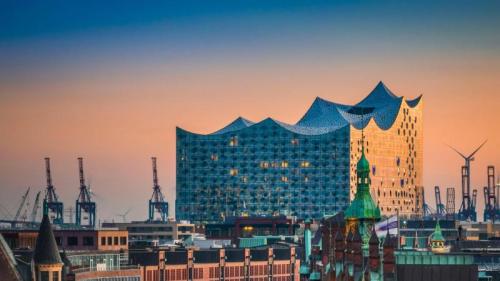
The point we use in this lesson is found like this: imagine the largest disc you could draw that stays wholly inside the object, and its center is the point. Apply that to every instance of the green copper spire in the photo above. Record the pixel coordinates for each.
(437, 235)
(363, 206)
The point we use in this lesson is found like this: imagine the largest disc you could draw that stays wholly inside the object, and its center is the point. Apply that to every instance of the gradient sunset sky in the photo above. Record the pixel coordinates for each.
(110, 81)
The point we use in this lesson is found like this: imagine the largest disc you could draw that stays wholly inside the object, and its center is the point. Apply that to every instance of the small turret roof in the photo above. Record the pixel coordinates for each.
(356, 237)
(339, 236)
(390, 241)
(363, 206)
(437, 235)
(46, 251)
(374, 238)
(363, 164)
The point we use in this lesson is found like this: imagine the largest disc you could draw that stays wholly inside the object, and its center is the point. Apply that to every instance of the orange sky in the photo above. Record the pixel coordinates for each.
(111, 81)
(117, 121)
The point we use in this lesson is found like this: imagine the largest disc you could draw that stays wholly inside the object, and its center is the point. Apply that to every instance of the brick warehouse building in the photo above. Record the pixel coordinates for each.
(256, 264)
(306, 169)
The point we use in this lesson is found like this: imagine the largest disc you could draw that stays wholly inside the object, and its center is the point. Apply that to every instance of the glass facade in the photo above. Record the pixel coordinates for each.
(91, 261)
(263, 169)
(306, 169)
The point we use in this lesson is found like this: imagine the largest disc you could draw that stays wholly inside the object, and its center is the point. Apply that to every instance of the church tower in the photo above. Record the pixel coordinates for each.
(47, 261)
(362, 213)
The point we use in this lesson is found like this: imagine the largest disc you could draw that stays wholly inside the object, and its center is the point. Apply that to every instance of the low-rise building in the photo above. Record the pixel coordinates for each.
(244, 227)
(72, 239)
(278, 263)
(154, 231)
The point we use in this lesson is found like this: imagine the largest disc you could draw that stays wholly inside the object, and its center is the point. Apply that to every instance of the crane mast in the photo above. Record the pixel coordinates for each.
(157, 203)
(85, 207)
(51, 204)
(491, 211)
(440, 209)
(450, 202)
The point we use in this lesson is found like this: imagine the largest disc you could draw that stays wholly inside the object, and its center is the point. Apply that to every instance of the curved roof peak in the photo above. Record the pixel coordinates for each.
(379, 96)
(238, 124)
(324, 116)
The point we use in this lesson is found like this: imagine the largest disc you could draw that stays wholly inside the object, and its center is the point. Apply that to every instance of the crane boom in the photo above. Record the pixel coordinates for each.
(36, 206)
(439, 205)
(21, 206)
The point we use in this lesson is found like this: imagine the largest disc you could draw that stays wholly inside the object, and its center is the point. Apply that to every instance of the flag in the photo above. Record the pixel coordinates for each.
(390, 223)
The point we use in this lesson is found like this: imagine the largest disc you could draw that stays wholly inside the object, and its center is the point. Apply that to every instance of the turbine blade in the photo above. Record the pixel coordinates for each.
(456, 151)
(472, 154)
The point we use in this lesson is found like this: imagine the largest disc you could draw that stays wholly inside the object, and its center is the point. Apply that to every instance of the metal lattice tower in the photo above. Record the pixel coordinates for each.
(51, 205)
(440, 210)
(157, 203)
(85, 207)
(467, 210)
(490, 201)
(450, 201)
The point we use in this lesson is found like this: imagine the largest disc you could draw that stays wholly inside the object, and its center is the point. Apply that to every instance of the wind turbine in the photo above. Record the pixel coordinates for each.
(467, 210)
(124, 215)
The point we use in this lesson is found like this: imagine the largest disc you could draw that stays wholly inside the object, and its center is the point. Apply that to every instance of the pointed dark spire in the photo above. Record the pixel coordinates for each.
(339, 237)
(46, 251)
(356, 236)
(349, 236)
(389, 241)
(374, 238)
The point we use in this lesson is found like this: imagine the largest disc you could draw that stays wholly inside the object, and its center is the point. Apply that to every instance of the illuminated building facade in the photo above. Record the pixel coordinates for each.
(307, 169)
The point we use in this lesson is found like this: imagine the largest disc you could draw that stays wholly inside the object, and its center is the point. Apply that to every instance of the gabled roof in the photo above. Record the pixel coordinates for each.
(8, 264)
(46, 251)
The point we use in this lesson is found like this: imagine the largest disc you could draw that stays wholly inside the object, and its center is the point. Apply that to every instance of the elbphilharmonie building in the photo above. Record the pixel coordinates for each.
(306, 169)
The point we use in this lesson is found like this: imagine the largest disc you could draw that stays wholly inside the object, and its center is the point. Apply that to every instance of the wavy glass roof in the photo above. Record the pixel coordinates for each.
(324, 116)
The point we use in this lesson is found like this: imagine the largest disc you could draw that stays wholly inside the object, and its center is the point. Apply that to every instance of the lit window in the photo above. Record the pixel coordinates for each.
(284, 164)
(233, 141)
(306, 179)
(284, 179)
(214, 157)
(295, 141)
(304, 164)
(244, 179)
(233, 172)
(264, 164)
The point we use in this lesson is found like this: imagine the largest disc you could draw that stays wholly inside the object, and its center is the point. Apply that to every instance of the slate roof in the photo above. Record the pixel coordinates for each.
(323, 117)
(46, 251)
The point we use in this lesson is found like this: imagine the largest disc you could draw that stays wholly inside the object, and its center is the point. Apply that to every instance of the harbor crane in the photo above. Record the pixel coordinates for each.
(467, 212)
(474, 200)
(157, 203)
(427, 212)
(450, 202)
(440, 209)
(85, 207)
(21, 206)
(36, 206)
(491, 211)
(52, 207)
